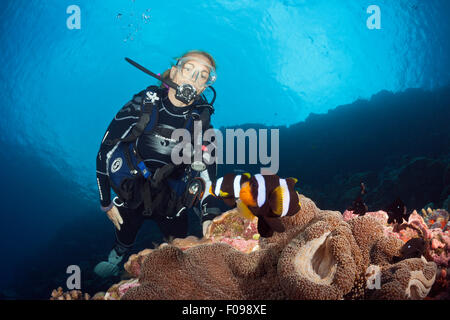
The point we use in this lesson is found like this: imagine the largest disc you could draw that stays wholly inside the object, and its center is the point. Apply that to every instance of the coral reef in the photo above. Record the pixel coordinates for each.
(411, 279)
(320, 256)
(229, 228)
(441, 287)
(117, 291)
(133, 265)
(59, 294)
(213, 271)
(232, 225)
(431, 225)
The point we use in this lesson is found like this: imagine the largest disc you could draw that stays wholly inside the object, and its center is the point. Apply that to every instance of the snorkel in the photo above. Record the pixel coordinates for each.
(184, 92)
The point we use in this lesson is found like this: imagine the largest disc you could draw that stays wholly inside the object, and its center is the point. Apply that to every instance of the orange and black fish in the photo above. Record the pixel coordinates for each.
(269, 198)
(228, 187)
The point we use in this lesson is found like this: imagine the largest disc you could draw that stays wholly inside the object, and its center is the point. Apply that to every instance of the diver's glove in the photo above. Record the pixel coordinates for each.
(212, 207)
(109, 268)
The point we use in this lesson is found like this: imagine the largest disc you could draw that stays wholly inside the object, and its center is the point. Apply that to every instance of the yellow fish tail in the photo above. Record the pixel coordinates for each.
(244, 210)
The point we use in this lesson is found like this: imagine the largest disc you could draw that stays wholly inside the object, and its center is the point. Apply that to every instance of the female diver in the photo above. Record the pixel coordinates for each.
(135, 159)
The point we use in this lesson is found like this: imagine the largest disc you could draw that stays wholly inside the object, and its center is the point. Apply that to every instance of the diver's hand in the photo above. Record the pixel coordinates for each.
(115, 217)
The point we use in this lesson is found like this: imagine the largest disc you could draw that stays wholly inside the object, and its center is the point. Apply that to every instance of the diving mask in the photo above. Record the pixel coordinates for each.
(184, 92)
(202, 77)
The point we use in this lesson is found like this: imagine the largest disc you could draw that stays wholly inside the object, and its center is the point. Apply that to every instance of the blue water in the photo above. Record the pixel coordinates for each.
(278, 61)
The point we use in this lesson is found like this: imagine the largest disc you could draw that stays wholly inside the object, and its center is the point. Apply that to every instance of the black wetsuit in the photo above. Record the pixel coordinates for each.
(155, 149)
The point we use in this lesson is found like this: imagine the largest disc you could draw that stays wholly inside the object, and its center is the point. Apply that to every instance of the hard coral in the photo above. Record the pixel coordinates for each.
(117, 291)
(230, 225)
(230, 228)
(59, 294)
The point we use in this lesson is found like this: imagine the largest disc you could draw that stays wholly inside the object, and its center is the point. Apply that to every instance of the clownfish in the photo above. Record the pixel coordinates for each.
(228, 187)
(269, 198)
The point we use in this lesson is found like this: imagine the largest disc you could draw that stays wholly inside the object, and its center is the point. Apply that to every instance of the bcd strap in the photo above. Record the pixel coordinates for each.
(205, 118)
(147, 198)
(195, 114)
(147, 121)
(161, 174)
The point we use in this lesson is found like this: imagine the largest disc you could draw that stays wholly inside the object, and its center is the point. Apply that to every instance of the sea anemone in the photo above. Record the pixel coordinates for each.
(408, 279)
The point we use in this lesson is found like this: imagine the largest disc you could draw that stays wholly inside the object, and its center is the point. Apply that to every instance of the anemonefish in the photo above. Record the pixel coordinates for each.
(228, 187)
(269, 198)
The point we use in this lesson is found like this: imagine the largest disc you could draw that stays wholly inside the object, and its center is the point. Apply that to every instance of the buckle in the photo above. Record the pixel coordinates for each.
(177, 215)
(145, 172)
(118, 204)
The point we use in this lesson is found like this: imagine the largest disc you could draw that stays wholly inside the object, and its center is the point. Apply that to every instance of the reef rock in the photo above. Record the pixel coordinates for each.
(59, 294)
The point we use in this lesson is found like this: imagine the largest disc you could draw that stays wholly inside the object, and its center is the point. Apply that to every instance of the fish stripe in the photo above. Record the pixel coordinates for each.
(237, 185)
(286, 197)
(218, 186)
(261, 190)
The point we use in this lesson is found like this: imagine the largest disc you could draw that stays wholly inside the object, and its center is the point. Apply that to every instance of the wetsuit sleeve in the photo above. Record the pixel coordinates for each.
(119, 127)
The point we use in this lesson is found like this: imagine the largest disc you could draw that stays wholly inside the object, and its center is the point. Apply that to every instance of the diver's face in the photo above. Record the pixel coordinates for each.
(194, 71)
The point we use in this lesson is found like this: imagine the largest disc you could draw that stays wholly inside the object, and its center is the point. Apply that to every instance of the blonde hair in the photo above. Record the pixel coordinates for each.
(166, 74)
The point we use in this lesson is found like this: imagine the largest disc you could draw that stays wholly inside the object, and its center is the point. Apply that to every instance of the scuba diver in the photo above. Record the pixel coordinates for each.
(135, 161)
